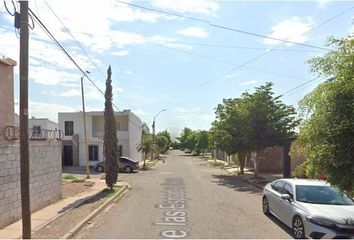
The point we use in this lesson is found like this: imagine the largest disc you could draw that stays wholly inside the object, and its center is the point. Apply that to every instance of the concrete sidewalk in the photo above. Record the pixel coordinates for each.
(248, 176)
(46, 215)
(260, 182)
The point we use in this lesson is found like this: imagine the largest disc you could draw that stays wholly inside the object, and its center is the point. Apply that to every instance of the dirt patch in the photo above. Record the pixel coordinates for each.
(69, 189)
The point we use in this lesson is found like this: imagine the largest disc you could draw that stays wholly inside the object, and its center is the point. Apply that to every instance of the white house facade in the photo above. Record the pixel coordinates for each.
(71, 123)
(37, 124)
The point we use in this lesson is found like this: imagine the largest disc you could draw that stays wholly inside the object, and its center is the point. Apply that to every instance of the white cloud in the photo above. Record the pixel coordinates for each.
(52, 76)
(168, 42)
(51, 110)
(293, 29)
(232, 75)
(71, 93)
(209, 7)
(252, 82)
(140, 112)
(194, 32)
(121, 53)
(322, 3)
(187, 110)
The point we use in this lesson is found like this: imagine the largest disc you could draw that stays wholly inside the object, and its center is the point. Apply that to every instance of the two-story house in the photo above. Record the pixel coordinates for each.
(71, 123)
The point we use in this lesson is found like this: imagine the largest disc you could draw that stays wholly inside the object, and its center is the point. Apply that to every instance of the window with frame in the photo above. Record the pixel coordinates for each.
(278, 186)
(93, 152)
(36, 130)
(69, 128)
(118, 126)
(288, 189)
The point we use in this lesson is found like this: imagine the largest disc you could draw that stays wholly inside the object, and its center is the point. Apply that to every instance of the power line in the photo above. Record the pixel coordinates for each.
(46, 30)
(211, 58)
(271, 50)
(299, 86)
(72, 36)
(223, 27)
(212, 45)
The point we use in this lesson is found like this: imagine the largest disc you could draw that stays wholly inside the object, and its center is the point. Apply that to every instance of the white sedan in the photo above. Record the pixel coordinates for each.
(311, 208)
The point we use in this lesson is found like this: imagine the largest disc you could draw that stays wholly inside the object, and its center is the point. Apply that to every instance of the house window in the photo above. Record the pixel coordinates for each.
(69, 128)
(93, 152)
(36, 130)
(118, 126)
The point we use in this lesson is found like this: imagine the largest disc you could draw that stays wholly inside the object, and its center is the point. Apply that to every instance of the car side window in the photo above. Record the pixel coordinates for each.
(278, 186)
(288, 189)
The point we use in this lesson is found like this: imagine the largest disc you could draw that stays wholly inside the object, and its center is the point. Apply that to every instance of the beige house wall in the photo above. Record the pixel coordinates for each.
(7, 115)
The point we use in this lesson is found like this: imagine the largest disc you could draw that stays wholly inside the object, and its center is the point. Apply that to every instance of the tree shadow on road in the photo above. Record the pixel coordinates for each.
(235, 183)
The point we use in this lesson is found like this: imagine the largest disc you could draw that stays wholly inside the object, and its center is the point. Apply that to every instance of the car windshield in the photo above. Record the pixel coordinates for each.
(321, 195)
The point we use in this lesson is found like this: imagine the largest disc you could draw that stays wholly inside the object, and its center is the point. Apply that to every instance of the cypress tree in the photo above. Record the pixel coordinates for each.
(110, 136)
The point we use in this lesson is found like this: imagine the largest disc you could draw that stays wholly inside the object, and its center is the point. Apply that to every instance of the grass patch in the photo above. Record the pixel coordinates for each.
(107, 193)
(72, 178)
(236, 172)
(218, 164)
(149, 165)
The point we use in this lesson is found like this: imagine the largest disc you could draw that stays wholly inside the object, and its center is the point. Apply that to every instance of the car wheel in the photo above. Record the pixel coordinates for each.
(298, 228)
(99, 169)
(265, 206)
(128, 169)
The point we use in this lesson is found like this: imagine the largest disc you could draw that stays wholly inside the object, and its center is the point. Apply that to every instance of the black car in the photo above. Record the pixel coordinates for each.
(125, 164)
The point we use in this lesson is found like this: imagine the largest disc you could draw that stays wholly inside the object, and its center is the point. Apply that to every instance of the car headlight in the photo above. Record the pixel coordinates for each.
(321, 221)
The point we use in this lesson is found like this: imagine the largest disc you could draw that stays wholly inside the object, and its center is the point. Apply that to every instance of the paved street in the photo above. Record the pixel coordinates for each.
(185, 198)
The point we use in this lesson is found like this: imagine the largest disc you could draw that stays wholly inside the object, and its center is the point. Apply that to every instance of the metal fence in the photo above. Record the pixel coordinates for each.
(10, 134)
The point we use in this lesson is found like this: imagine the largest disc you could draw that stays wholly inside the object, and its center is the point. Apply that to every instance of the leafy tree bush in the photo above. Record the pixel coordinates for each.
(162, 143)
(146, 146)
(326, 134)
(300, 171)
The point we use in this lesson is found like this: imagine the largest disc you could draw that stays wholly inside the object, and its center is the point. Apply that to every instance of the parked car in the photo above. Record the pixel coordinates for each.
(187, 150)
(125, 164)
(311, 208)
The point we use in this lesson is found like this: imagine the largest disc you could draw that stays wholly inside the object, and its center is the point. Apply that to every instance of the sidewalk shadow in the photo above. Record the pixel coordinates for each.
(89, 199)
(235, 183)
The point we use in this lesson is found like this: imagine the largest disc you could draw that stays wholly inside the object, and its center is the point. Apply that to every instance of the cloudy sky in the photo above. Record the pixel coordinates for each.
(161, 61)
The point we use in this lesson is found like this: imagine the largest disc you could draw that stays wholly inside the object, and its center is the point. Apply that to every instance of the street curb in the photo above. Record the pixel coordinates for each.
(78, 227)
(74, 205)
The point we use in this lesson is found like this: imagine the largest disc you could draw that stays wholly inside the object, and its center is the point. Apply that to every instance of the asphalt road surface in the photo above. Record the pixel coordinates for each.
(185, 198)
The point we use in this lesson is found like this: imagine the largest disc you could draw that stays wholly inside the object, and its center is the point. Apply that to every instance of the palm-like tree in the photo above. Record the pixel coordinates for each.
(146, 146)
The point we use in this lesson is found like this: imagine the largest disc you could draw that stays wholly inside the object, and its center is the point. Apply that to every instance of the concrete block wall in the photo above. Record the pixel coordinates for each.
(45, 178)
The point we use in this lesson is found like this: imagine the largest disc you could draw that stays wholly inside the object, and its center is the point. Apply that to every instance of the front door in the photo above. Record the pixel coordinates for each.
(68, 155)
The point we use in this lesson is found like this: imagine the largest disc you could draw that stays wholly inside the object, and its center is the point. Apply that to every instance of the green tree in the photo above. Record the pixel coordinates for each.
(326, 133)
(183, 138)
(270, 121)
(162, 143)
(231, 129)
(253, 122)
(146, 146)
(110, 136)
(202, 142)
(192, 140)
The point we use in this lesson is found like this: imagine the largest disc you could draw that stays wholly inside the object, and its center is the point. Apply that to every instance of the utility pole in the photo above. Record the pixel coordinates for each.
(85, 132)
(24, 153)
(153, 125)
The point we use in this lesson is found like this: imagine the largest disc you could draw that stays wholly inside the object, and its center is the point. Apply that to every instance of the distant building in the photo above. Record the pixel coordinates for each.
(7, 92)
(71, 123)
(37, 124)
